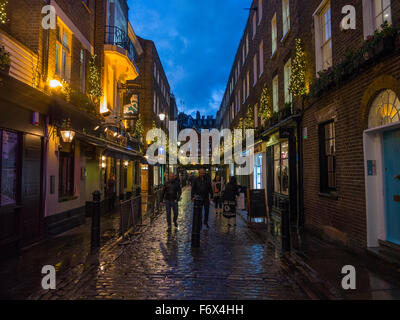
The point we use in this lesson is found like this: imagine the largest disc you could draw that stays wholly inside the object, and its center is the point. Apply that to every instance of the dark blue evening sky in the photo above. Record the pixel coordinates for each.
(197, 41)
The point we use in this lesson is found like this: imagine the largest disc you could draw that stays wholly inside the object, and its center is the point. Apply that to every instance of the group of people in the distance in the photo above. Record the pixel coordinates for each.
(223, 196)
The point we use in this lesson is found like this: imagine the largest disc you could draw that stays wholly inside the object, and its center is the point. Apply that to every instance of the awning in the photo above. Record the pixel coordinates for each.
(110, 149)
(121, 153)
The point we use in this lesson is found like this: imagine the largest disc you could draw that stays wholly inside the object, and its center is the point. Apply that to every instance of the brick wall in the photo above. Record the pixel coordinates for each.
(343, 219)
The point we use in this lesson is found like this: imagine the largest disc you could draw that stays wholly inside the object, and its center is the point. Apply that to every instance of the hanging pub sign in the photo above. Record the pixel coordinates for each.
(131, 105)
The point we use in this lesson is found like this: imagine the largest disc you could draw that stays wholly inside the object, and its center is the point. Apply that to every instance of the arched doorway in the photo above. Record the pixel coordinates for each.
(382, 153)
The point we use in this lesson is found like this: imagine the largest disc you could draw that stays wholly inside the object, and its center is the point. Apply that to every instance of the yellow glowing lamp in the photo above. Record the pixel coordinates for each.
(54, 83)
(67, 134)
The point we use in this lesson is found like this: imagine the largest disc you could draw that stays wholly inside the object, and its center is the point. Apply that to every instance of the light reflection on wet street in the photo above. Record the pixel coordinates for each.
(160, 264)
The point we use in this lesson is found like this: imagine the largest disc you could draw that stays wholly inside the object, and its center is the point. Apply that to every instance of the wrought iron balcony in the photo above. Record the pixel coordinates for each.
(117, 37)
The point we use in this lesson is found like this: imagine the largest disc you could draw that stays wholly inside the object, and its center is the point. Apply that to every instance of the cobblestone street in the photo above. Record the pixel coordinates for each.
(231, 264)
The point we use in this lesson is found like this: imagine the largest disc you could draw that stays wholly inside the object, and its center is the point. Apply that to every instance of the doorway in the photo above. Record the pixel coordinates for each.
(391, 152)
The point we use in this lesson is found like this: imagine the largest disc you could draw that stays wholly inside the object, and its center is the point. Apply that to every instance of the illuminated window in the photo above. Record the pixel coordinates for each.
(274, 34)
(287, 74)
(285, 16)
(275, 96)
(323, 37)
(82, 70)
(63, 51)
(281, 168)
(385, 109)
(9, 166)
(382, 12)
(326, 47)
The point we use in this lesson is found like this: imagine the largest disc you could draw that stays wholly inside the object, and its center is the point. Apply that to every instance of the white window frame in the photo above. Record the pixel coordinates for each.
(248, 84)
(247, 45)
(319, 40)
(274, 35)
(287, 75)
(285, 17)
(369, 17)
(255, 69)
(82, 69)
(275, 93)
(63, 51)
(254, 24)
(244, 91)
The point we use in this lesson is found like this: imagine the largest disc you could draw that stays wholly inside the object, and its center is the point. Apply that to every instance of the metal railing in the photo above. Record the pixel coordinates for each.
(130, 214)
(154, 203)
(117, 37)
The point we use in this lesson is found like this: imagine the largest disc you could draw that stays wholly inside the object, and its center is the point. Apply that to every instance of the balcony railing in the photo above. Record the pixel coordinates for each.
(117, 37)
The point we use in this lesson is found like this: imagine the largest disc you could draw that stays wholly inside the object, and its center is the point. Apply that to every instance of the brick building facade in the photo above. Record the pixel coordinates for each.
(47, 180)
(154, 99)
(338, 191)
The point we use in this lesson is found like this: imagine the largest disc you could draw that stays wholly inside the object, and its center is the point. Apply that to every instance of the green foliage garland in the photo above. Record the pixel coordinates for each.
(95, 90)
(297, 85)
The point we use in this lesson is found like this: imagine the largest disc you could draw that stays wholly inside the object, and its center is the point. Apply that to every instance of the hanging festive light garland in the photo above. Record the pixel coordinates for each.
(266, 108)
(249, 120)
(3, 11)
(95, 90)
(297, 85)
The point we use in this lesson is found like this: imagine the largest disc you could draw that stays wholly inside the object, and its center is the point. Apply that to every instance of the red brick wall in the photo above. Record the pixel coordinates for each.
(343, 219)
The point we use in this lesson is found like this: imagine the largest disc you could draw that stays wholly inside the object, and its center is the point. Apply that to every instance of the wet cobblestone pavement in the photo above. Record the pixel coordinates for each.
(232, 263)
(159, 264)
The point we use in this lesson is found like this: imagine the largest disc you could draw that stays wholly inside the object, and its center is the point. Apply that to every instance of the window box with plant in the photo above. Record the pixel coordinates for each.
(382, 43)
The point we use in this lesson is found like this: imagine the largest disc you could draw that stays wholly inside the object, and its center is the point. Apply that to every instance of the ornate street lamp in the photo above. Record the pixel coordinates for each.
(67, 134)
(162, 116)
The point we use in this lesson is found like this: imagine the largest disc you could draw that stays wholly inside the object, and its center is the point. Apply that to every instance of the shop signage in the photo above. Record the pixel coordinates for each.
(371, 167)
(257, 204)
(258, 148)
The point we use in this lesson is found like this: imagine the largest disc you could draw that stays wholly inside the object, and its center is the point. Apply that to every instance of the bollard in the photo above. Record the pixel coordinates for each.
(95, 236)
(196, 225)
(285, 225)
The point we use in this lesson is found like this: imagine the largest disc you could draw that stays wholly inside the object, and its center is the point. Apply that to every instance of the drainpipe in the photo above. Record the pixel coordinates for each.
(45, 62)
(46, 45)
(300, 169)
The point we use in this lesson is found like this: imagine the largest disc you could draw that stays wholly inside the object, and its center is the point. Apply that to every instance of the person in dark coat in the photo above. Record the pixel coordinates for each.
(171, 195)
(218, 188)
(202, 187)
(111, 192)
(229, 199)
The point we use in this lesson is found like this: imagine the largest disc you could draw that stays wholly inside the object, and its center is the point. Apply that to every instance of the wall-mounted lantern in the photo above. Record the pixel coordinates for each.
(67, 134)
(54, 83)
(162, 116)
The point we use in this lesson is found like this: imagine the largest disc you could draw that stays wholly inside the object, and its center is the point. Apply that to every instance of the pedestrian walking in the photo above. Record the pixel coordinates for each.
(218, 188)
(111, 192)
(229, 200)
(202, 187)
(172, 193)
